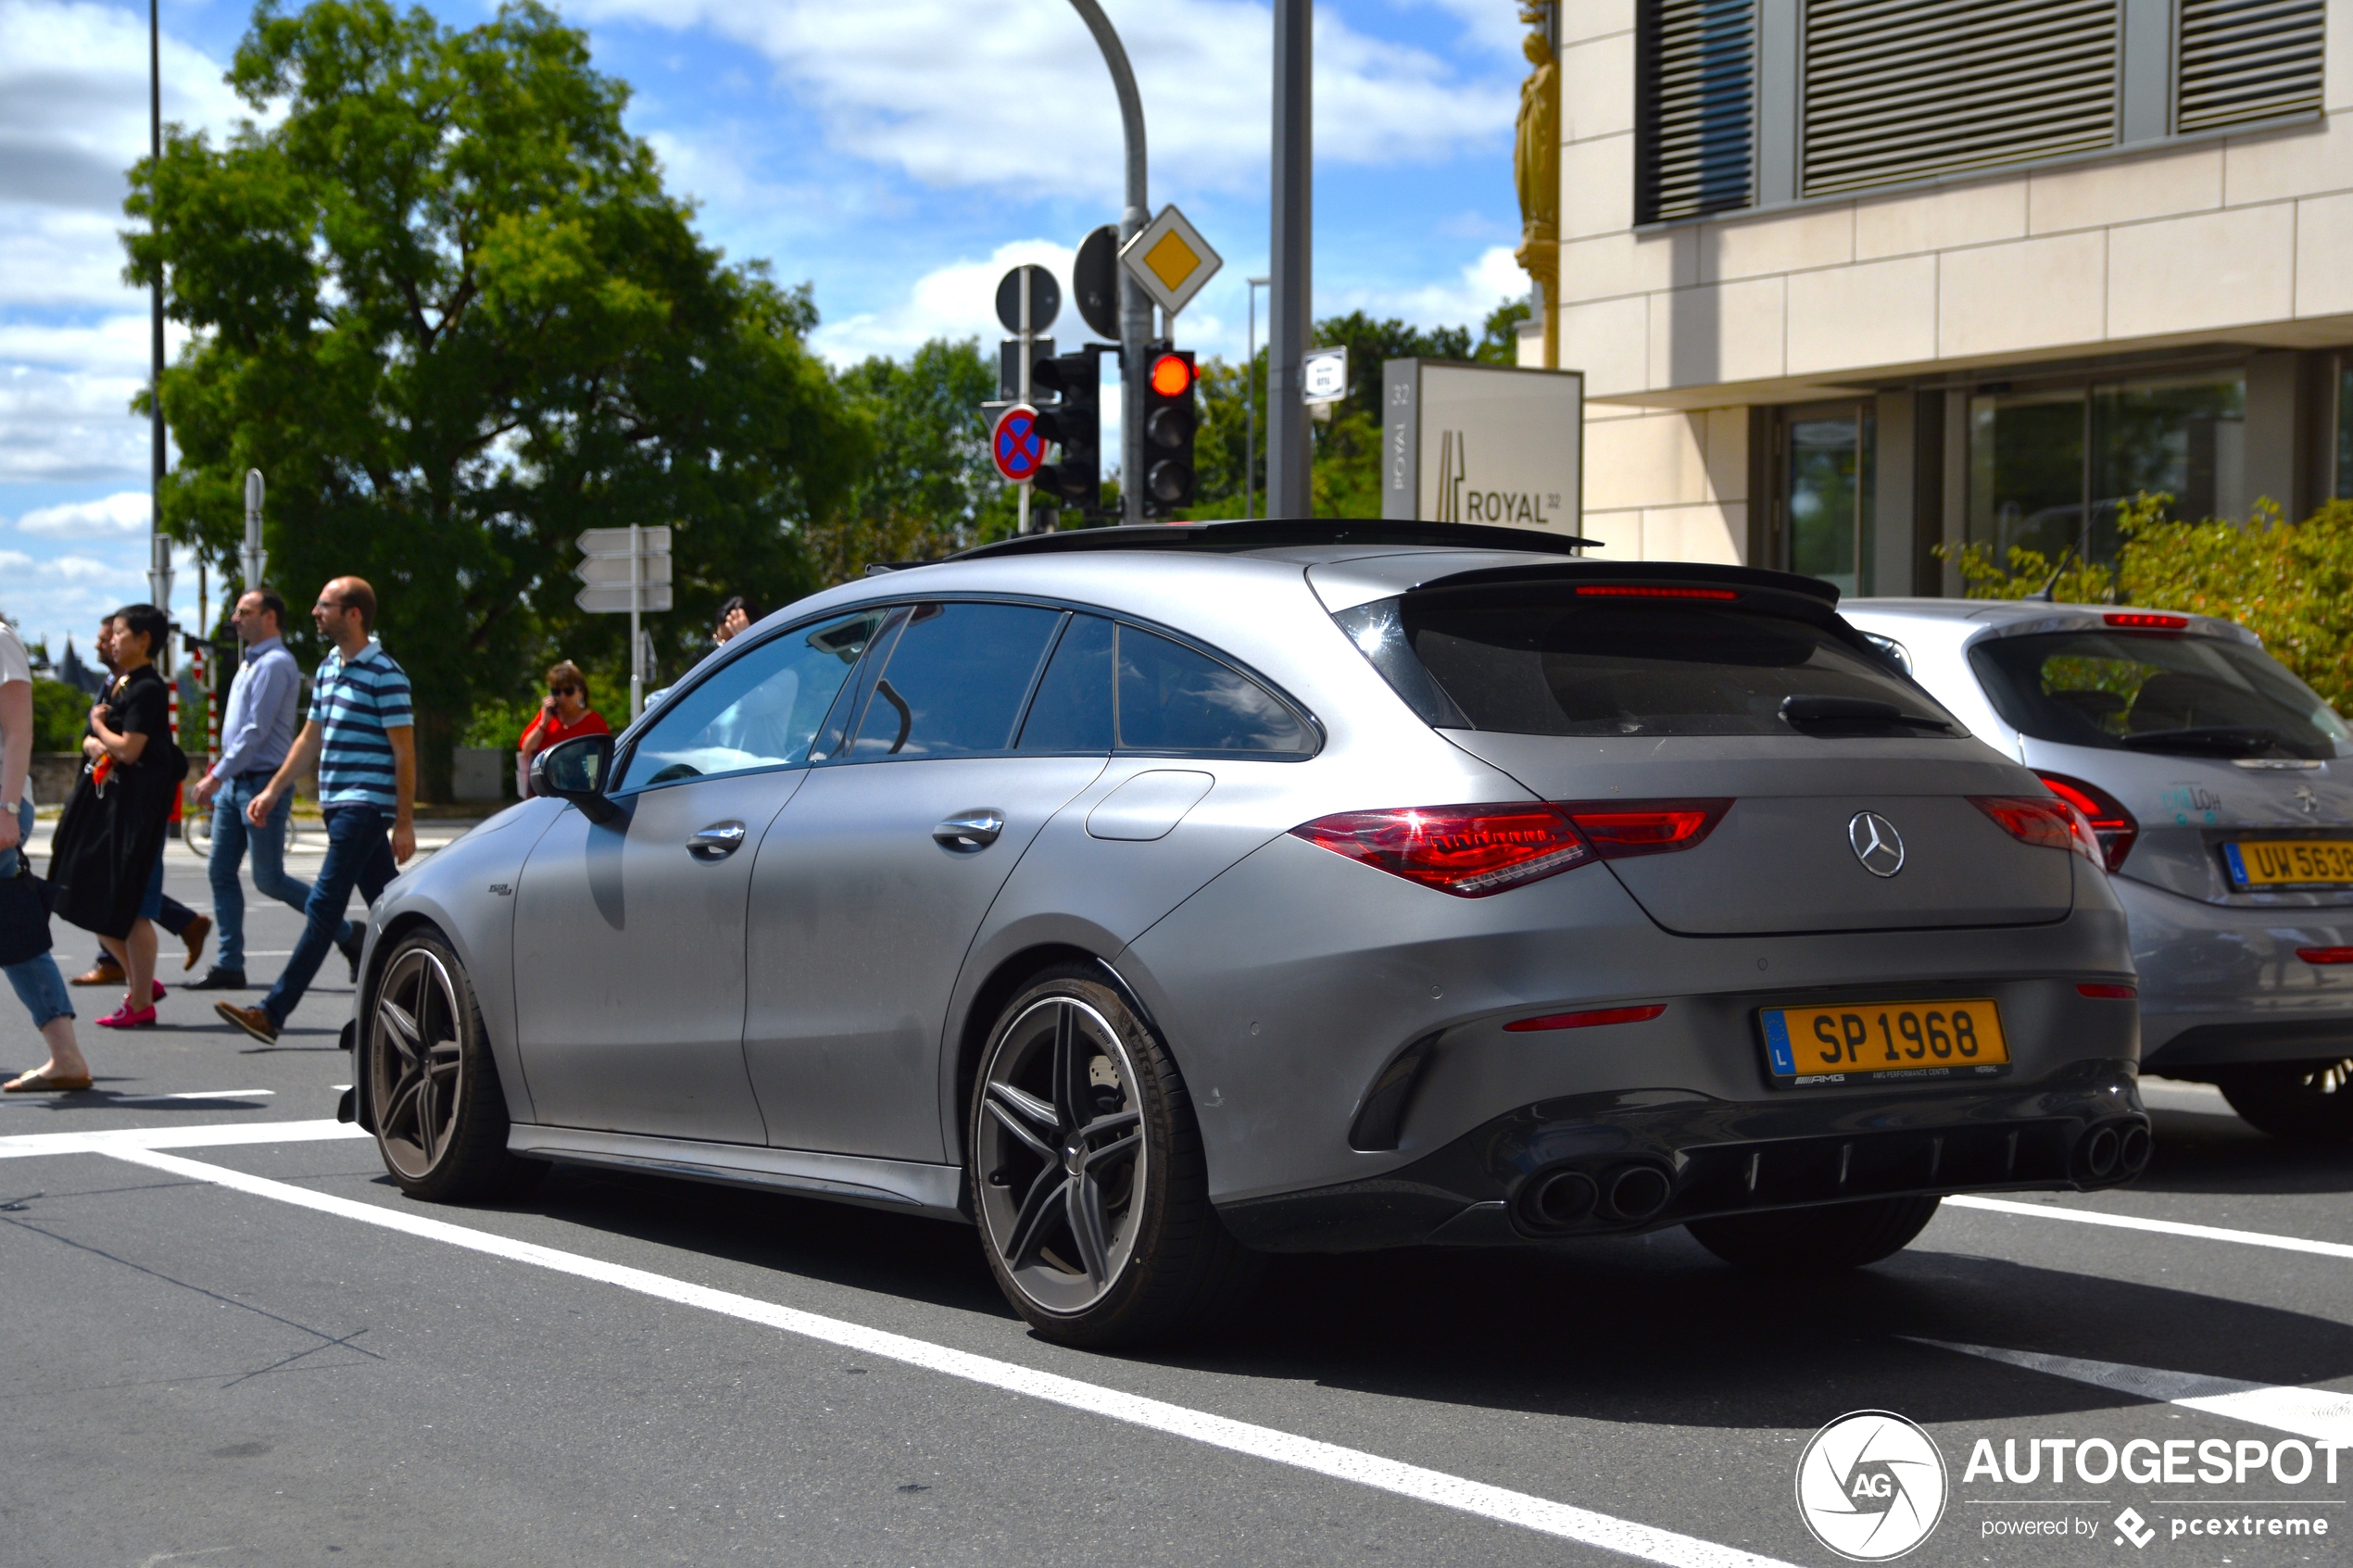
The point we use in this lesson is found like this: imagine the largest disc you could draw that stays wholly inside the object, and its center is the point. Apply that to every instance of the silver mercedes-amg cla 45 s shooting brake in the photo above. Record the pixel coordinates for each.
(1154, 899)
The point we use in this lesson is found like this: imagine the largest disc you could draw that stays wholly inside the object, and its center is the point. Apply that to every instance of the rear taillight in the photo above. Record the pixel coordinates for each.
(1469, 851)
(2044, 820)
(2106, 991)
(1645, 591)
(2111, 824)
(2325, 955)
(1617, 829)
(2141, 620)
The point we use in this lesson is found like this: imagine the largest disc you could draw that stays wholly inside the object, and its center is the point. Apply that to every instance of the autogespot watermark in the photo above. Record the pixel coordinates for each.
(1871, 1486)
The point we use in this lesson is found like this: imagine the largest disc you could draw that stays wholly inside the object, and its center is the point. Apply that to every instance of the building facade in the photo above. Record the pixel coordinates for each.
(1850, 280)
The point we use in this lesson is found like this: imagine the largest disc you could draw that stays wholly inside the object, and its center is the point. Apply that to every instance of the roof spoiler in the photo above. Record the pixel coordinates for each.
(1270, 534)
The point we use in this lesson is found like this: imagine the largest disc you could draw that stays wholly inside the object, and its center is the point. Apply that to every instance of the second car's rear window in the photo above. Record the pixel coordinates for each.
(1548, 662)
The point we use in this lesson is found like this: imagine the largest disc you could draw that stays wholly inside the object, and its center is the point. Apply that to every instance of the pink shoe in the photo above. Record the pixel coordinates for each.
(123, 1018)
(158, 991)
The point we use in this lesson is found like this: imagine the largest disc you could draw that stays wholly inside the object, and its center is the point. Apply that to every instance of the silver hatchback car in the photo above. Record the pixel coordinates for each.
(1152, 898)
(2222, 789)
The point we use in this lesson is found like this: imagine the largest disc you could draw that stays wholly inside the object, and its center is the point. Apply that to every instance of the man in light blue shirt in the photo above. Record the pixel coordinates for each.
(258, 730)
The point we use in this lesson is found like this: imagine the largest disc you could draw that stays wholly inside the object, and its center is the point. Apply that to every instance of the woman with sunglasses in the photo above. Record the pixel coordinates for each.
(564, 713)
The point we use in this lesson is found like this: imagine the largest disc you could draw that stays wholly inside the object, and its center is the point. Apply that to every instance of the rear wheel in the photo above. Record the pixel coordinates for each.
(1837, 1236)
(1088, 1177)
(2302, 1101)
(440, 1117)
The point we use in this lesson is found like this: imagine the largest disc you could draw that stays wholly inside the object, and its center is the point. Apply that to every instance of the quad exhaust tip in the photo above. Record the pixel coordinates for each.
(1621, 1194)
(2115, 1150)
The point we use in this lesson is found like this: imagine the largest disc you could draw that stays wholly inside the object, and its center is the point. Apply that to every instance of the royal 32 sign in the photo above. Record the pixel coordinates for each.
(1482, 443)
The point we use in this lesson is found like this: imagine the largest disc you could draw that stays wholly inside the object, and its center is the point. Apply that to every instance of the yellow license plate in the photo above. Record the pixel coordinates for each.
(2290, 862)
(1880, 1042)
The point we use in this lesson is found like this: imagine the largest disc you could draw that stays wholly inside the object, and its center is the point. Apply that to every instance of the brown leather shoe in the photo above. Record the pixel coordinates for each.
(253, 1020)
(106, 972)
(198, 929)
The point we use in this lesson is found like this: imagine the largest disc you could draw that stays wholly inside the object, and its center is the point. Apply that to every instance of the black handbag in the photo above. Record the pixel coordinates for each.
(24, 916)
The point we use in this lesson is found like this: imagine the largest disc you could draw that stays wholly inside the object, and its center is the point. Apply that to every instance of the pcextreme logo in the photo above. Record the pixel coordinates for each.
(1871, 1485)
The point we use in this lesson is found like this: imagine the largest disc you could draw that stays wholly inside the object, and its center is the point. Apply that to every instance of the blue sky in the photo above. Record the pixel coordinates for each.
(897, 157)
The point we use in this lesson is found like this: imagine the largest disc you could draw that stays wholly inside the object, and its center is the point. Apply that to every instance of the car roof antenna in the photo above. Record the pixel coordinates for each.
(2048, 592)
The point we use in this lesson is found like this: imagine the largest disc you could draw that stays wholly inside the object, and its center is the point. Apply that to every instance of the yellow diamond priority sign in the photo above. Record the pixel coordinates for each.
(1170, 260)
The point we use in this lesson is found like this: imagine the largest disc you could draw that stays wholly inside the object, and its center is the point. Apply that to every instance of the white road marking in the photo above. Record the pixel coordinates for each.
(2162, 1227)
(217, 1094)
(107, 1141)
(1539, 1515)
(2317, 1413)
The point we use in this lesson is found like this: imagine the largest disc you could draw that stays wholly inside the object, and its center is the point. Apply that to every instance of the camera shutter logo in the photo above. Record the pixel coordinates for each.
(1871, 1486)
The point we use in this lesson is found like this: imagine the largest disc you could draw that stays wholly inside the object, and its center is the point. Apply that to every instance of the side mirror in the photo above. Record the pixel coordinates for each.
(575, 771)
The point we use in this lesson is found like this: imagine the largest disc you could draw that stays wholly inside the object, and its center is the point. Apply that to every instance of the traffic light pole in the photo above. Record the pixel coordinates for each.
(1290, 487)
(1135, 308)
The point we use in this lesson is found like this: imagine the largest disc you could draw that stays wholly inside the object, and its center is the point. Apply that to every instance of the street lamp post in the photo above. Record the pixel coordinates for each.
(1290, 489)
(1249, 407)
(1135, 308)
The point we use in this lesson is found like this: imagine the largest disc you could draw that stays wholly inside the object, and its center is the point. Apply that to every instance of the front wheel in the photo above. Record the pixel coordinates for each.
(1836, 1235)
(440, 1118)
(2300, 1101)
(1088, 1177)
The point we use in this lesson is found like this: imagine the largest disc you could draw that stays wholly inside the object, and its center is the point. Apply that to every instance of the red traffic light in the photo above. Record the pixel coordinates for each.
(1171, 375)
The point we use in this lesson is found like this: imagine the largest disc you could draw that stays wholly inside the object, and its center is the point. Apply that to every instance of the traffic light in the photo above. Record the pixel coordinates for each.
(1074, 423)
(1169, 422)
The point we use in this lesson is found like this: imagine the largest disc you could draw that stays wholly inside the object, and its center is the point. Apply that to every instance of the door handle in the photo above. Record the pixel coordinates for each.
(716, 842)
(970, 831)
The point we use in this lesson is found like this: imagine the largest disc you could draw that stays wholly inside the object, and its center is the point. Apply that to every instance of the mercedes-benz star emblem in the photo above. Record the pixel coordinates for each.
(1877, 844)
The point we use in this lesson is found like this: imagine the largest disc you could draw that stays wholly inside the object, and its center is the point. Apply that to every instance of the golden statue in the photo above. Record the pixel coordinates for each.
(1536, 163)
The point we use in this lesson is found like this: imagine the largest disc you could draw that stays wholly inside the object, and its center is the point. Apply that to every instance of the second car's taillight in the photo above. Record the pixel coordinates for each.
(1469, 851)
(2111, 824)
(2041, 820)
(1472, 851)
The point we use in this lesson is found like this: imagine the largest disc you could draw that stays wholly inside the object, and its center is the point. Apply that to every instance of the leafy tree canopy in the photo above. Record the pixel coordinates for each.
(448, 308)
(930, 488)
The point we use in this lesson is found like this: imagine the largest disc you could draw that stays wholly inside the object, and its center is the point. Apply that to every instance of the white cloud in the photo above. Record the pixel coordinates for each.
(886, 92)
(1482, 285)
(126, 511)
(13, 561)
(955, 301)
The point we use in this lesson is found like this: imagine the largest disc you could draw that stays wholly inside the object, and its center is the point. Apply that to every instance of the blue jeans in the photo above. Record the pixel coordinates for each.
(232, 836)
(359, 855)
(37, 982)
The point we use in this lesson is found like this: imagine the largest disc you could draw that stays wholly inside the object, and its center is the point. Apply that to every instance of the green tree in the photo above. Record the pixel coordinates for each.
(445, 305)
(930, 488)
(60, 713)
(1499, 336)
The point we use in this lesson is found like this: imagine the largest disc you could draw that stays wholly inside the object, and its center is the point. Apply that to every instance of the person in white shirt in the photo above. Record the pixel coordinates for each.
(37, 982)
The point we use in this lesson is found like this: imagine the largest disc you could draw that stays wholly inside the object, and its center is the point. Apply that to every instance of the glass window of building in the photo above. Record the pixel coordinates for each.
(1827, 460)
(2048, 468)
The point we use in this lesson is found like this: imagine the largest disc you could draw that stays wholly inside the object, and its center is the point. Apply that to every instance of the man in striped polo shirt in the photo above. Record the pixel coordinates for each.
(363, 735)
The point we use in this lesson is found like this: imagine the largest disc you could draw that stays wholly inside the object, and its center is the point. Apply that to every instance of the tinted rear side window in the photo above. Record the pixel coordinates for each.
(2151, 692)
(1543, 662)
(955, 681)
(1172, 699)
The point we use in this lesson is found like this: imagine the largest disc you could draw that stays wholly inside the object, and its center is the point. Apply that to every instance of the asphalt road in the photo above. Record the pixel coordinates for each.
(232, 1341)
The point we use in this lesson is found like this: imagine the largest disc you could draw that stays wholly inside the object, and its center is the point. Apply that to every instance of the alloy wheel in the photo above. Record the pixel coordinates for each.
(415, 1081)
(1062, 1164)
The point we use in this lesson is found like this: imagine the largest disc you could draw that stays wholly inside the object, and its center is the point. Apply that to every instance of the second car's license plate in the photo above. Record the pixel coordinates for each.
(1877, 1042)
(2290, 862)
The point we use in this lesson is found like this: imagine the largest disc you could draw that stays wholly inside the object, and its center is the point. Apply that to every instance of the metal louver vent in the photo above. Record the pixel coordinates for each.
(1903, 90)
(2247, 59)
(1696, 111)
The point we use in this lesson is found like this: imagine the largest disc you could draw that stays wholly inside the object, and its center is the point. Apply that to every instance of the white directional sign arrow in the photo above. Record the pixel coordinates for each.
(616, 600)
(615, 542)
(603, 569)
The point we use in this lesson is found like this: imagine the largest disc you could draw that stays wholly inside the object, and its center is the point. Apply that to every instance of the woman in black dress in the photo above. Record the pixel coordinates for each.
(108, 869)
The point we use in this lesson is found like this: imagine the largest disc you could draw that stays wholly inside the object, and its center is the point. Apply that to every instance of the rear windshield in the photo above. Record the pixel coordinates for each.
(1542, 662)
(2145, 691)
